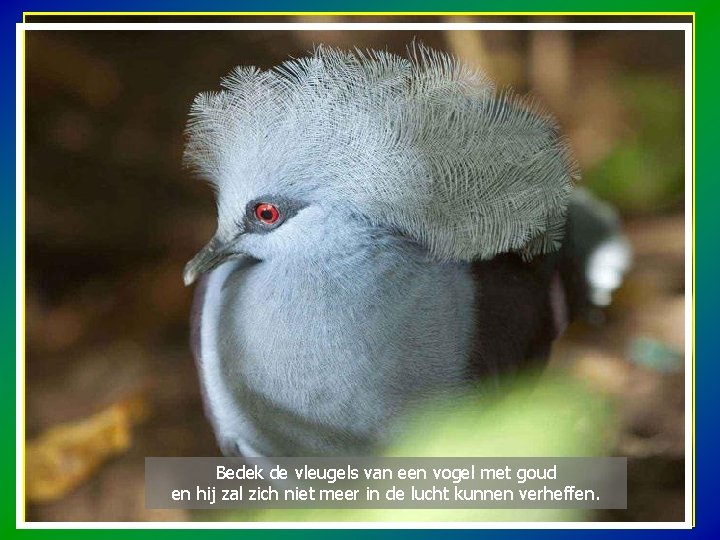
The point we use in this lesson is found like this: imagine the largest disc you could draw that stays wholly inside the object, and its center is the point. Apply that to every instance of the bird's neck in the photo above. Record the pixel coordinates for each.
(347, 343)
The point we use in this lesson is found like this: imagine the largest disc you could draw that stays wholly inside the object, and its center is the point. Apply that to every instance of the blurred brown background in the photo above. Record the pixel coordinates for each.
(112, 217)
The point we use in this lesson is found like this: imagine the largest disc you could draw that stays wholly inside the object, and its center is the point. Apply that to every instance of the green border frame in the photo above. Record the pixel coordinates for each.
(705, 12)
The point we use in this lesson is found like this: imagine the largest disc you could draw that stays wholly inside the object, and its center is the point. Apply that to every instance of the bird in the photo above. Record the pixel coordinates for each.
(390, 228)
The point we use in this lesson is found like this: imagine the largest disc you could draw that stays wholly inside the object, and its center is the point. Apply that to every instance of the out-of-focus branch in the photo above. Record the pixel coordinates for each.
(66, 455)
(550, 69)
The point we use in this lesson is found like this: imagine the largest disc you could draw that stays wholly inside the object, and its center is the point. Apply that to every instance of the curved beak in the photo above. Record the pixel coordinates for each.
(211, 256)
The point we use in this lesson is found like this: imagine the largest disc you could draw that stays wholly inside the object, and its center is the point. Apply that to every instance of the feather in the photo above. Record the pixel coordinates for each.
(420, 144)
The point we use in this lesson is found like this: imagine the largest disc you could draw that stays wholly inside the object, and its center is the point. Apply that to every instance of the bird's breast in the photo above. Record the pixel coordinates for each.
(320, 362)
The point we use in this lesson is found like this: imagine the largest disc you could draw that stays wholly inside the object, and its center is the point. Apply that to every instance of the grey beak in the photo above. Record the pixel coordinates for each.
(211, 256)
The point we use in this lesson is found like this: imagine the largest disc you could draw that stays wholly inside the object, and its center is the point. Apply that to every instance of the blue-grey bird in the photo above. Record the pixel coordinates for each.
(389, 228)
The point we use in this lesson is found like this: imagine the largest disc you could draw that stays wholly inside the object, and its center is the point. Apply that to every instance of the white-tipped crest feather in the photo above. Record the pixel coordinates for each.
(421, 144)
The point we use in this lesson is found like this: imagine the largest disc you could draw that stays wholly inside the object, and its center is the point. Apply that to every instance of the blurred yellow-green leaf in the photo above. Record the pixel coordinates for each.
(550, 416)
(644, 170)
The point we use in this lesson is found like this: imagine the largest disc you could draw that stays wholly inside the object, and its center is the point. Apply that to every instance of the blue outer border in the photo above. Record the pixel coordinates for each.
(707, 352)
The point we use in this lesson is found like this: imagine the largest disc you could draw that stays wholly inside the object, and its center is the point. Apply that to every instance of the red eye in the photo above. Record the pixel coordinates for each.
(267, 213)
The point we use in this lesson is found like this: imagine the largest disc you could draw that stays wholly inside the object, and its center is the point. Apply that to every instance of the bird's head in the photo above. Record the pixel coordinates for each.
(304, 154)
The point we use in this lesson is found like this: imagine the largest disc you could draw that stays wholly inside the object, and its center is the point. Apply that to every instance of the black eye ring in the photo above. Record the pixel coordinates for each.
(267, 212)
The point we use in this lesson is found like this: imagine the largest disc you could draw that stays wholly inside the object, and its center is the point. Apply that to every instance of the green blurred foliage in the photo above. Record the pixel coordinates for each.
(553, 416)
(644, 172)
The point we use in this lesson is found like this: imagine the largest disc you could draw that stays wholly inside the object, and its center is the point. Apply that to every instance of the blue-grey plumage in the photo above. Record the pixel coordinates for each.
(388, 229)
